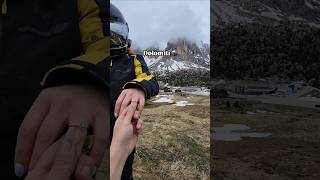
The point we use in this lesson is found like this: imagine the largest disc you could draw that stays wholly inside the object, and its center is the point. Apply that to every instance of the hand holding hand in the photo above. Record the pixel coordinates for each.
(125, 137)
(60, 160)
(55, 109)
(125, 133)
(128, 96)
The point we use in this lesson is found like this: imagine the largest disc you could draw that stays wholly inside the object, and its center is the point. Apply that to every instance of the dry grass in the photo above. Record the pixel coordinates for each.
(176, 141)
(292, 152)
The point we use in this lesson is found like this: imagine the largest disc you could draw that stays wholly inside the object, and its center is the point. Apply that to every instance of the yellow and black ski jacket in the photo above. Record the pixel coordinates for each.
(49, 41)
(56, 41)
(131, 71)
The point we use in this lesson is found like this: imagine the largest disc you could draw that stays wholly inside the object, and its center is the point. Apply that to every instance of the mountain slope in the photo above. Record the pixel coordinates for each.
(185, 55)
(265, 11)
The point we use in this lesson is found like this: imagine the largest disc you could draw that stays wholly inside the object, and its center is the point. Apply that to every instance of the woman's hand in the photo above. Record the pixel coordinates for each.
(126, 130)
(125, 137)
(55, 109)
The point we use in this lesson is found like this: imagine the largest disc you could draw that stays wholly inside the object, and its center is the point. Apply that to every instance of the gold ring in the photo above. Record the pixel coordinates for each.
(82, 125)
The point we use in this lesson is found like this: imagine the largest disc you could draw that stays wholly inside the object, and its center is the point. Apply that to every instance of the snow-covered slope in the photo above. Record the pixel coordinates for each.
(172, 64)
(189, 55)
(265, 11)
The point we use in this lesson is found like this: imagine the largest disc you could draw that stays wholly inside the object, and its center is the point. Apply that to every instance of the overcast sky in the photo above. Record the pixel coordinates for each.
(154, 22)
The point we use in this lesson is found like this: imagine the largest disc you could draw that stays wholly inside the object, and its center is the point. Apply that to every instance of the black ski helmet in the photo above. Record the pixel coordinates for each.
(119, 30)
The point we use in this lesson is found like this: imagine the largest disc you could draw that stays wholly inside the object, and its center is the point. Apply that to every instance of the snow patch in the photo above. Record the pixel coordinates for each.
(151, 60)
(183, 103)
(163, 100)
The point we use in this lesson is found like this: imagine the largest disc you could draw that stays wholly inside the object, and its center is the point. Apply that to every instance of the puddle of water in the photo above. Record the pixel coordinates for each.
(230, 132)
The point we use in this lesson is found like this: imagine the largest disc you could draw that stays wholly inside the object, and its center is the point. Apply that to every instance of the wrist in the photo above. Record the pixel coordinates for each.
(118, 150)
(117, 160)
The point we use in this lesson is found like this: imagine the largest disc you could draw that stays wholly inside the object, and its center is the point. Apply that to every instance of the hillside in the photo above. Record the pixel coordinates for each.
(270, 39)
(188, 65)
(225, 12)
(187, 55)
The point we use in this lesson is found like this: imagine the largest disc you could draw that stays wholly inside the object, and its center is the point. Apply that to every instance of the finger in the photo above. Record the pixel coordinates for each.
(135, 101)
(44, 164)
(139, 125)
(47, 158)
(118, 104)
(140, 130)
(137, 115)
(141, 104)
(86, 168)
(123, 113)
(27, 134)
(130, 112)
(51, 128)
(125, 102)
(140, 108)
(100, 134)
(68, 154)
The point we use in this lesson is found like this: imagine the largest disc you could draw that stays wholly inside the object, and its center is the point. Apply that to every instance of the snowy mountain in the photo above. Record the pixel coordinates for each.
(171, 64)
(187, 55)
(265, 11)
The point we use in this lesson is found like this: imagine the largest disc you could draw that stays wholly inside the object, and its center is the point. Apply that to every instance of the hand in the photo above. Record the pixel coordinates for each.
(55, 109)
(126, 131)
(125, 137)
(59, 161)
(126, 97)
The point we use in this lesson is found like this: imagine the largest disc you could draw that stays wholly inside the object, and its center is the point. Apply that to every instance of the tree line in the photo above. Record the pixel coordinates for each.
(185, 77)
(286, 51)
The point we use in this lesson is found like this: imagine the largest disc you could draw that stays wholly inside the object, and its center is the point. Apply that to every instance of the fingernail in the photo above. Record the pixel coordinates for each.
(115, 114)
(19, 169)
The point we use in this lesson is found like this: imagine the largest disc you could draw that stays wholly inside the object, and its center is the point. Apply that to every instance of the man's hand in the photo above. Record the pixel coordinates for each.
(126, 97)
(55, 109)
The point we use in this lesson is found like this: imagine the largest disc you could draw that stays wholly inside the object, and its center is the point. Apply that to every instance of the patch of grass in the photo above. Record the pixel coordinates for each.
(175, 144)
